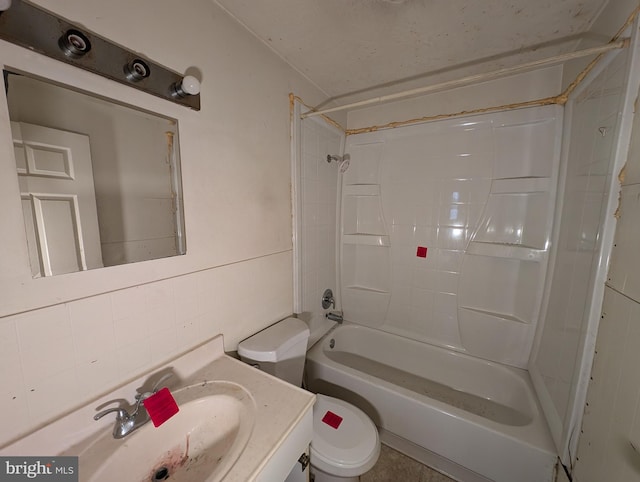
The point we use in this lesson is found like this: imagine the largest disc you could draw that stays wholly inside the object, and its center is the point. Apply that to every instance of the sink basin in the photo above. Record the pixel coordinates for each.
(201, 442)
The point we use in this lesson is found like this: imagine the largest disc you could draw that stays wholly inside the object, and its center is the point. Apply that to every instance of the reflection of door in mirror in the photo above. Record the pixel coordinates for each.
(58, 199)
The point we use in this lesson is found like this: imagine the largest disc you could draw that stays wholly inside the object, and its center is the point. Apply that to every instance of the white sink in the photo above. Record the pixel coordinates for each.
(235, 424)
(201, 442)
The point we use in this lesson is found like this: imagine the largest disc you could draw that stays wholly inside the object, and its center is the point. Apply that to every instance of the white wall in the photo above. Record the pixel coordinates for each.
(94, 330)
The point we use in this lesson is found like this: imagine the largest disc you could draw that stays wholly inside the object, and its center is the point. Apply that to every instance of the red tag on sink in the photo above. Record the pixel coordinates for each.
(161, 406)
(332, 419)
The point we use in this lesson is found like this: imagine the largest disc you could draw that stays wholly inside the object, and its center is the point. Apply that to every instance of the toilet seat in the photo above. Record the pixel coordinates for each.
(349, 450)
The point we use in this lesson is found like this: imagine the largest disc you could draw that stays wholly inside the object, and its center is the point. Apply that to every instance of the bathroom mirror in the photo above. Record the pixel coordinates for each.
(100, 182)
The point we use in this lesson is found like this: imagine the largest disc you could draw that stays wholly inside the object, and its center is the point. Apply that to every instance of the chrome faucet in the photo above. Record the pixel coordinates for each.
(126, 422)
(334, 316)
(327, 302)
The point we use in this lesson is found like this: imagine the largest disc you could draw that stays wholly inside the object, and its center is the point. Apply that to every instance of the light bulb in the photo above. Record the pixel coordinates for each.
(190, 85)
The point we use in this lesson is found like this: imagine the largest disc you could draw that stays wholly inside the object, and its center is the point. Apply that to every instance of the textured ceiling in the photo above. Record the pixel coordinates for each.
(346, 47)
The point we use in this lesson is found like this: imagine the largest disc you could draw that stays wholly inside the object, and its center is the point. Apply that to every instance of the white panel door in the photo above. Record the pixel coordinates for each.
(58, 199)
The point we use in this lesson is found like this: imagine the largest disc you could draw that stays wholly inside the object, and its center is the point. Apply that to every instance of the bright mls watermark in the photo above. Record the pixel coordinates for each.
(51, 469)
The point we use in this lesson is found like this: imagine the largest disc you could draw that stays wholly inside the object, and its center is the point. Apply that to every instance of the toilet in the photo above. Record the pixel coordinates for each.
(345, 442)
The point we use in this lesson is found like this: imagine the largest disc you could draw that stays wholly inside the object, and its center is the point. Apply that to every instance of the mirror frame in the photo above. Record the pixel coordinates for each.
(20, 292)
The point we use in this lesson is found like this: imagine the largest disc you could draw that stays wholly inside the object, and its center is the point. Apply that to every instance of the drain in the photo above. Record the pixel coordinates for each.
(332, 343)
(161, 474)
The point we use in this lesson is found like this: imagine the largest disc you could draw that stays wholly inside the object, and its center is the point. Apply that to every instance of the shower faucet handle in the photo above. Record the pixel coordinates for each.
(327, 299)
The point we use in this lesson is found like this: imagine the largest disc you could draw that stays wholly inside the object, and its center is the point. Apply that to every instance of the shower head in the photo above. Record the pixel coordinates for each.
(343, 161)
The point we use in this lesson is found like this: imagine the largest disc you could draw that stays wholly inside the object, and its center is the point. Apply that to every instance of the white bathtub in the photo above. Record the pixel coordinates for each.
(473, 419)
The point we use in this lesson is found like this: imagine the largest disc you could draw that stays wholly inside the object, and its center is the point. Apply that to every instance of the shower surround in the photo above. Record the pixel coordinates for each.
(445, 230)
(443, 239)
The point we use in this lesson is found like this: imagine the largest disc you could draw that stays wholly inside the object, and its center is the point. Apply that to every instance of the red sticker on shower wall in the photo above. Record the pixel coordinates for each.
(332, 419)
(422, 252)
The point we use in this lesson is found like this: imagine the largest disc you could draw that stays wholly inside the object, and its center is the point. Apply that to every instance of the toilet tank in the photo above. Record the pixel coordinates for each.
(279, 350)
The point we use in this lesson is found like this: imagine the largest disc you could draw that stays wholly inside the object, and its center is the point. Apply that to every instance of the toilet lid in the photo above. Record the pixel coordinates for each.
(344, 437)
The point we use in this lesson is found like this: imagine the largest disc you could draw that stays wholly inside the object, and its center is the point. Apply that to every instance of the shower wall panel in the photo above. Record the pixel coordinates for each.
(432, 208)
(318, 192)
(562, 351)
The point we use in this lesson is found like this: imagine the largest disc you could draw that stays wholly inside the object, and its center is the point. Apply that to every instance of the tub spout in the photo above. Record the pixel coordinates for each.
(334, 316)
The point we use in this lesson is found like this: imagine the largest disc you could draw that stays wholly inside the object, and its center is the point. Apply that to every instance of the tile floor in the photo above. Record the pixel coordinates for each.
(392, 466)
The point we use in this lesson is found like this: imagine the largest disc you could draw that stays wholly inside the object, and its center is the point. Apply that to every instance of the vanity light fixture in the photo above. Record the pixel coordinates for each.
(27, 25)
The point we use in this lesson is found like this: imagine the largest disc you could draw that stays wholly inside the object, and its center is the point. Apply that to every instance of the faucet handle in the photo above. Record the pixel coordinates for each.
(125, 422)
(164, 377)
(122, 414)
(141, 396)
(327, 299)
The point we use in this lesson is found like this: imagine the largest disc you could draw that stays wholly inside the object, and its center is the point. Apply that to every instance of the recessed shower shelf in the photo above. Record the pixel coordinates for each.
(503, 250)
(362, 190)
(494, 314)
(366, 239)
